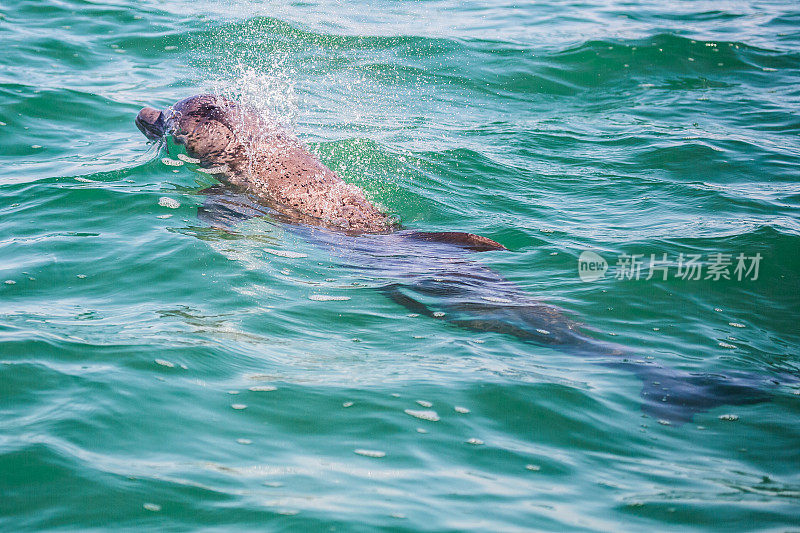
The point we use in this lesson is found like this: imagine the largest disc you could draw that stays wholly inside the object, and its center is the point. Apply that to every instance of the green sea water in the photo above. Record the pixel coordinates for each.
(158, 373)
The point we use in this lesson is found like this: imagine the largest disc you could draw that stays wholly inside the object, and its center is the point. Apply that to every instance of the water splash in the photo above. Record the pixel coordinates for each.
(268, 88)
(254, 66)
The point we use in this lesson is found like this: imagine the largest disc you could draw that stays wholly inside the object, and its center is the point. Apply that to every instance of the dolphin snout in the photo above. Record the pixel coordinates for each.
(151, 122)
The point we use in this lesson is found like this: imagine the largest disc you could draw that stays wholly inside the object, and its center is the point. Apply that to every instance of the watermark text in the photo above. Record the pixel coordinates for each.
(687, 267)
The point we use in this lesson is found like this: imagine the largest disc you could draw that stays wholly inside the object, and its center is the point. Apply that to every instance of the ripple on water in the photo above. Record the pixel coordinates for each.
(285, 253)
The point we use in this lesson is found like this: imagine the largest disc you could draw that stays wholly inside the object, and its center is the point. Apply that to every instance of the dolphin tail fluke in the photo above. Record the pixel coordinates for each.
(675, 396)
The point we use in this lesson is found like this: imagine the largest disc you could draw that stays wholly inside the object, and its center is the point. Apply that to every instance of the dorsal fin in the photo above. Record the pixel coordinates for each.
(469, 241)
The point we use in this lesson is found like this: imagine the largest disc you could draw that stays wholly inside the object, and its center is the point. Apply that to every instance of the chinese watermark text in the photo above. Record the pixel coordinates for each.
(688, 267)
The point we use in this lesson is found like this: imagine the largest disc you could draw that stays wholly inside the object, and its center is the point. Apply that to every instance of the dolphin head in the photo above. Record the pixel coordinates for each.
(152, 123)
(205, 124)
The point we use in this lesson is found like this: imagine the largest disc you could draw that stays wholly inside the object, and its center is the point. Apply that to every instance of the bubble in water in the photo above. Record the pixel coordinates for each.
(327, 298)
(164, 362)
(238, 406)
(214, 170)
(474, 441)
(171, 162)
(370, 453)
(496, 299)
(152, 507)
(462, 410)
(729, 417)
(187, 159)
(431, 416)
(425, 403)
(263, 388)
(165, 201)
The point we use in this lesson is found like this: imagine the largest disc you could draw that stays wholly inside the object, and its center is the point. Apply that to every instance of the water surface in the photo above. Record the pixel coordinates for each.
(157, 373)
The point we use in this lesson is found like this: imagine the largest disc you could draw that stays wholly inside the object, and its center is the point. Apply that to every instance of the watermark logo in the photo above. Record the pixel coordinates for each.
(591, 266)
(687, 267)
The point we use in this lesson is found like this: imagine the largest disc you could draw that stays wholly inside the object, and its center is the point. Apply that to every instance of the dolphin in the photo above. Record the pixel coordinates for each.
(267, 171)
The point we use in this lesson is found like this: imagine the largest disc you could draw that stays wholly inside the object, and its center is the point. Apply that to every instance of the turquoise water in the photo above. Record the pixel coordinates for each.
(158, 373)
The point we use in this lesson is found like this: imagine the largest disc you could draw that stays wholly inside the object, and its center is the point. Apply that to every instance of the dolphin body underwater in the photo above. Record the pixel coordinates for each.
(267, 171)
